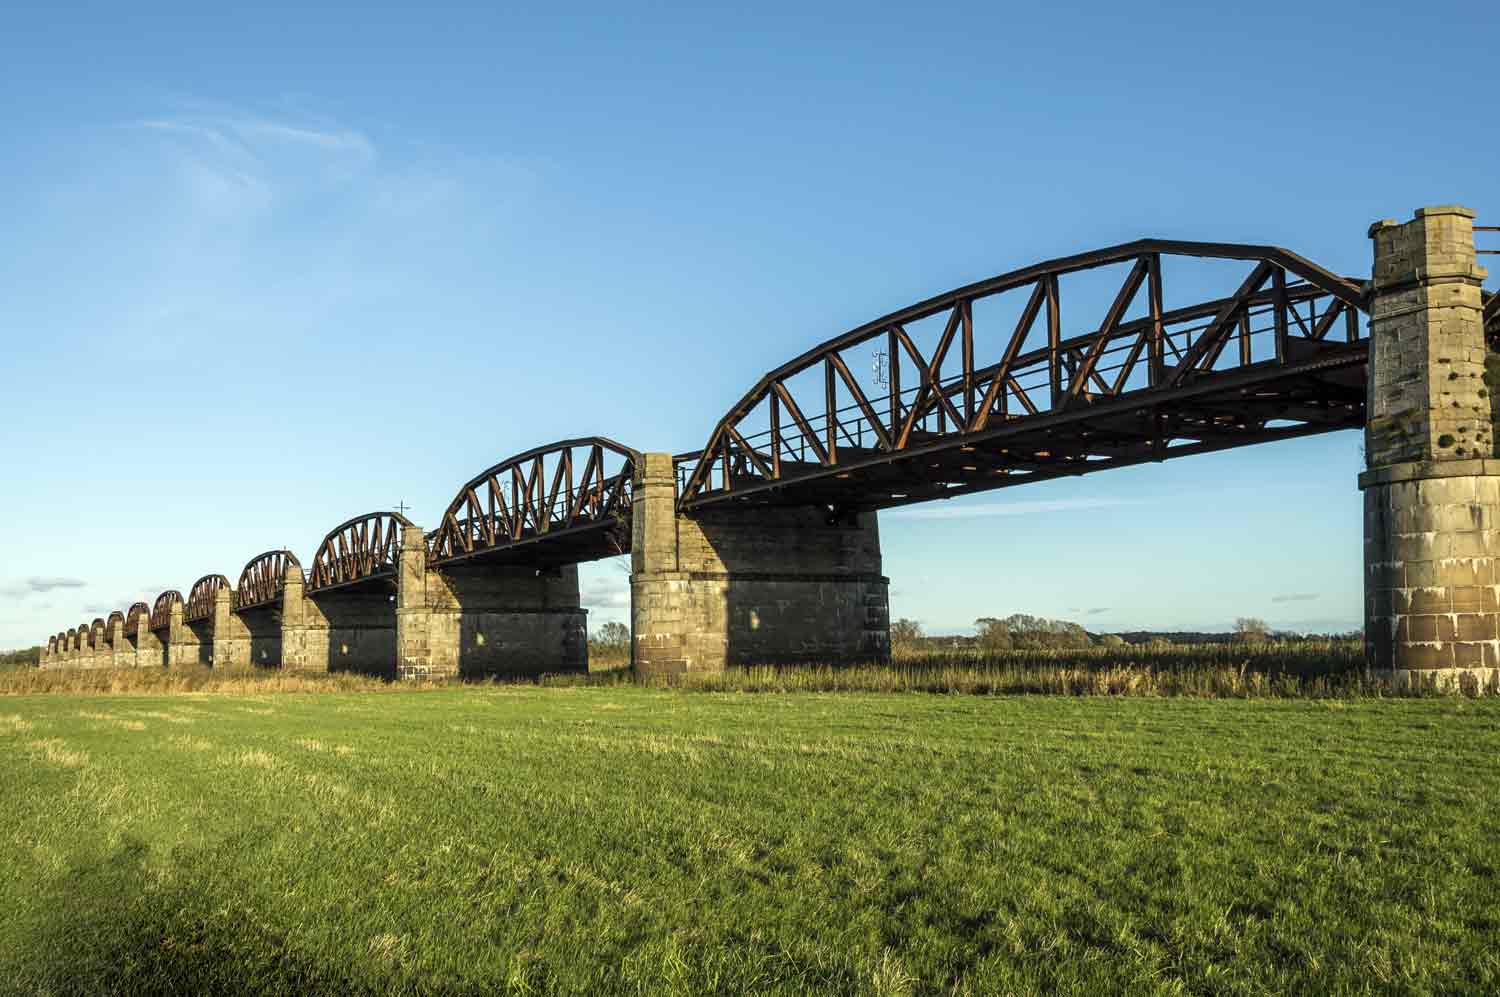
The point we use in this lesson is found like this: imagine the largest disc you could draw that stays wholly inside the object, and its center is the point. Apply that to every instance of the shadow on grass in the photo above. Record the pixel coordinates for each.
(114, 926)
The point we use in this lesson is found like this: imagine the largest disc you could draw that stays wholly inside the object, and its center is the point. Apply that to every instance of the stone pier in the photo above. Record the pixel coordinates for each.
(767, 585)
(1432, 488)
(229, 635)
(483, 619)
(149, 652)
(343, 630)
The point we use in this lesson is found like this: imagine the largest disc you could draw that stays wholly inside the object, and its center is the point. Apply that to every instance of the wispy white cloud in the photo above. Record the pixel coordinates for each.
(605, 593)
(1004, 508)
(31, 586)
(1296, 597)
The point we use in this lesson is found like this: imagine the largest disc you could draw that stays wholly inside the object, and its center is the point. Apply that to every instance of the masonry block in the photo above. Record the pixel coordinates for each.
(758, 585)
(1432, 488)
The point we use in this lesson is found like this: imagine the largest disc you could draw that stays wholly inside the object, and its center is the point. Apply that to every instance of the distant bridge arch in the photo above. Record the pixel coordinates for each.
(264, 578)
(562, 503)
(161, 610)
(358, 551)
(200, 600)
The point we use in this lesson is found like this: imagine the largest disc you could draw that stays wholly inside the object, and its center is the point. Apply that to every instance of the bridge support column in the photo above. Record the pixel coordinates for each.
(1432, 490)
(479, 619)
(148, 650)
(752, 585)
(339, 632)
(121, 655)
(98, 650)
(184, 646)
(230, 637)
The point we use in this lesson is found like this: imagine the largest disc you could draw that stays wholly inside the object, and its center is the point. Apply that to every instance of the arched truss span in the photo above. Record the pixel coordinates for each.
(109, 624)
(263, 579)
(200, 600)
(559, 504)
(96, 632)
(52, 645)
(133, 618)
(161, 610)
(363, 549)
(1145, 369)
(71, 641)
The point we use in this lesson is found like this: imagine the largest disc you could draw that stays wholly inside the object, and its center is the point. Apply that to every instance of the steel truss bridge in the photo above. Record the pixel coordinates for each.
(1013, 379)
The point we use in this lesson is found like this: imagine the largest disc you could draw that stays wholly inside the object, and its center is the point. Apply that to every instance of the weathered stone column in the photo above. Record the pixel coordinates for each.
(98, 651)
(1432, 490)
(300, 648)
(121, 654)
(413, 655)
(149, 652)
(181, 650)
(231, 638)
(751, 585)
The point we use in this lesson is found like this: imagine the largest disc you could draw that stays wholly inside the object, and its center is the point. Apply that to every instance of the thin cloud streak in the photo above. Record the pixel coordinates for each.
(1296, 597)
(33, 585)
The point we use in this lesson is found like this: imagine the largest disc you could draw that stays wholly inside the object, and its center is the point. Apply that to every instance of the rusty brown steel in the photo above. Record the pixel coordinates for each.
(566, 494)
(264, 578)
(133, 617)
(161, 610)
(358, 550)
(109, 625)
(1159, 385)
(200, 600)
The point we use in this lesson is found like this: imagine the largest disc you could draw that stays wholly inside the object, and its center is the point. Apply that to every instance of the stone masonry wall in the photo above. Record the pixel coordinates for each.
(753, 586)
(1432, 491)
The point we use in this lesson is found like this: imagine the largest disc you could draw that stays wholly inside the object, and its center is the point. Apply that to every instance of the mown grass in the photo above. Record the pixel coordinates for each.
(628, 840)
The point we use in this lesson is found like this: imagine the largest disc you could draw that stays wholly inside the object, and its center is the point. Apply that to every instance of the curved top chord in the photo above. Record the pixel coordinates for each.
(200, 600)
(109, 624)
(263, 579)
(574, 495)
(934, 417)
(360, 549)
(161, 611)
(134, 616)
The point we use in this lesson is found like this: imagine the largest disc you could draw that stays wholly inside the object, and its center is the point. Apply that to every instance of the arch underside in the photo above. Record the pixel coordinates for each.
(361, 552)
(560, 504)
(979, 405)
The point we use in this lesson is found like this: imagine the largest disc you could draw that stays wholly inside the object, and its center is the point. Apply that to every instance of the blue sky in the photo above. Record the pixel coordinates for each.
(262, 271)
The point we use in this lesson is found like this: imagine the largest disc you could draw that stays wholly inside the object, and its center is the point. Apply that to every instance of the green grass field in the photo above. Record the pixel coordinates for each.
(643, 841)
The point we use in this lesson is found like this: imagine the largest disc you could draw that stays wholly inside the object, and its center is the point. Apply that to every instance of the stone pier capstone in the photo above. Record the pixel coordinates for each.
(755, 585)
(1432, 488)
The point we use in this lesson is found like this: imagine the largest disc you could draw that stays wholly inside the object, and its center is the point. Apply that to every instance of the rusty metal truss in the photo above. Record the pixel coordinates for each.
(134, 615)
(161, 611)
(558, 504)
(200, 600)
(72, 640)
(264, 578)
(1143, 375)
(96, 632)
(109, 625)
(362, 550)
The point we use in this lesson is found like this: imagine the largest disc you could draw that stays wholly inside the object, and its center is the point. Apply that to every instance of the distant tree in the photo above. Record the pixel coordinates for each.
(1111, 640)
(905, 632)
(993, 634)
(27, 657)
(612, 635)
(1251, 630)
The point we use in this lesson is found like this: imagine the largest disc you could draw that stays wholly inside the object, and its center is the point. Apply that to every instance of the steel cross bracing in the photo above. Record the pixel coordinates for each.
(200, 600)
(574, 495)
(264, 578)
(134, 615)
(161, 611)
(361, 550)
(1281, 355)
